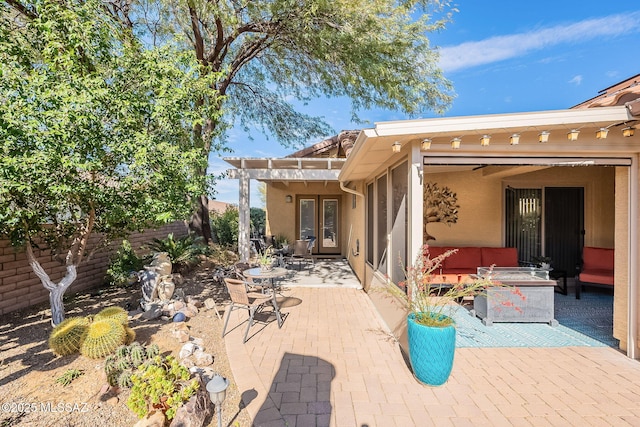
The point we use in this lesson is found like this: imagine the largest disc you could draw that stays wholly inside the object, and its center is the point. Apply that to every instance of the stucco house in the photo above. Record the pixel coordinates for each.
(570, 177)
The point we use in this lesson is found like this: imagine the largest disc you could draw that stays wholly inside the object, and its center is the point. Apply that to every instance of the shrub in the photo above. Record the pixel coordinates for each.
(123, 263)
(163, 384)
(184, 252)
(224, 226)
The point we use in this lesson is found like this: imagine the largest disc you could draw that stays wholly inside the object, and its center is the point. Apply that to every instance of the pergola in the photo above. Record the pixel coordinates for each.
(276, 169)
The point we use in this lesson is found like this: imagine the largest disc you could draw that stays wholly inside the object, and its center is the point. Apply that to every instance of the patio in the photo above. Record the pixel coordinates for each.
(335, 363)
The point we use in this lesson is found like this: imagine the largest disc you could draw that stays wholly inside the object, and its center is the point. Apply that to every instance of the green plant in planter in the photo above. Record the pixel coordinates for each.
(162, 384)
(265, 259)
(430, 303)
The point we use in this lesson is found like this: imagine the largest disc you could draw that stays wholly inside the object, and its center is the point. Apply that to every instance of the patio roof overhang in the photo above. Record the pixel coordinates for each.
(373, 146)
(286, 169)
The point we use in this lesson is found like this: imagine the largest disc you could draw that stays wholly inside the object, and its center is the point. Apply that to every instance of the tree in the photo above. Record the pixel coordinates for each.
(258, 219)
(440, 205)
(269, 52)
(96, 133)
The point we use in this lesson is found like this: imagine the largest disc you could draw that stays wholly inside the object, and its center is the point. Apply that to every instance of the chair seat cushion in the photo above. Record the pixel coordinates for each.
(604, 277)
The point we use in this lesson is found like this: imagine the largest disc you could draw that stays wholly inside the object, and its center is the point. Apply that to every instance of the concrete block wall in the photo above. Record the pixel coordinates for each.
(20, 287)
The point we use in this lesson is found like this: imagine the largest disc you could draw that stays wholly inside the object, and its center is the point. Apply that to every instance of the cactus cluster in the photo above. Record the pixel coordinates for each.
(120, 366)
(67, 337)
(94, 337)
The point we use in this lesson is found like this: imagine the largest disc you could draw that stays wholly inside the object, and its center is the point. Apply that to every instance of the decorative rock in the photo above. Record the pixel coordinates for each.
(192, 307)
(182, 336)
(187, 312)
(153, 419)
(188, 363)
(196, 410)
(201, 358)
(178, 295)
(178, 305)
(187, 350)
(199, 342)
(153, 311)
(179, 317)
(161, 263)
(178, 279)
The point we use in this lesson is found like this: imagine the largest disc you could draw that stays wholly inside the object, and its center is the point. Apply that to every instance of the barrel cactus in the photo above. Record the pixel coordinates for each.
(66, 338)
(131, 335)
(103, 338)
(115, 312)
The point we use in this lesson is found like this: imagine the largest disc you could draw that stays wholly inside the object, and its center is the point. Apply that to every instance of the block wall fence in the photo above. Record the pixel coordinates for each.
(20, 287)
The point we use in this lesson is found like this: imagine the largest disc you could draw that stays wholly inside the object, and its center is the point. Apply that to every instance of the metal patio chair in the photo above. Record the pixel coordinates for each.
(241, 298)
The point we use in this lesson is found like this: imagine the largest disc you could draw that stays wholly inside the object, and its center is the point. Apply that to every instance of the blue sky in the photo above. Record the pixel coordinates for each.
(501, 56)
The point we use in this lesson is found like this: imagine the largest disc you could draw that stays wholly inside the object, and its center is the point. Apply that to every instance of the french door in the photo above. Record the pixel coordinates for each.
(319, 217)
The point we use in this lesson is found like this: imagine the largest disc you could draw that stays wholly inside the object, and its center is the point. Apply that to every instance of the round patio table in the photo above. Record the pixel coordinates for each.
(258, 273)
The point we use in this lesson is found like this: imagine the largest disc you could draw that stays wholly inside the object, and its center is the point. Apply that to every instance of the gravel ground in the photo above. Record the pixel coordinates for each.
(29, 395)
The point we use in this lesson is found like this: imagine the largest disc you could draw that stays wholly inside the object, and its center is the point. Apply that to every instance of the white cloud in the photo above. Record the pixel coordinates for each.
(499, 48)
(577, 80)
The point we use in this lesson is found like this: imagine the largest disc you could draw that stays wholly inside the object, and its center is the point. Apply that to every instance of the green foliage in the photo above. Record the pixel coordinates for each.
(161, 383)
(119, 366)
(123, 263)
(184, 252)
(69, 375)
(116, 313)
(280, 240)
(96, 130)
(258, 218)
(225, 226)
(67, 337)
(103, 338)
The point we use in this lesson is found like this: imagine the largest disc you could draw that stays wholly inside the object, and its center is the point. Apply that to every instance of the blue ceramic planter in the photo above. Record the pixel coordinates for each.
(431, 351)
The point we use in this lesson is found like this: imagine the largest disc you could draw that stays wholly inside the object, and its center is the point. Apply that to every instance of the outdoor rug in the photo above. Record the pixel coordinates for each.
(472, 333)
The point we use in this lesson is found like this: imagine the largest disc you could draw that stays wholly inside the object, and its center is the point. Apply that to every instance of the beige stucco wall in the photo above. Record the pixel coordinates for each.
(355, 222)
(281, 216)
(481, 213)
(599, 196)
(621, 279)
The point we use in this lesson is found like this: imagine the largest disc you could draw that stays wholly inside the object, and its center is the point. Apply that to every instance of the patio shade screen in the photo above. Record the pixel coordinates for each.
(523, 221)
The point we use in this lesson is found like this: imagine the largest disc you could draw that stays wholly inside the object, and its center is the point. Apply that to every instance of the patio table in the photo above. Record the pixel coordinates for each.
(271, 275)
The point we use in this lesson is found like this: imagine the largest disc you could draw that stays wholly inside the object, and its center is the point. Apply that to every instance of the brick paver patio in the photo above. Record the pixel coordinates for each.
(333, 363)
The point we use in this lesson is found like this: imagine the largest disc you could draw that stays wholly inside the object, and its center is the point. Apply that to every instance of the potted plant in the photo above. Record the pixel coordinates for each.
(430, 325)
(265, 259)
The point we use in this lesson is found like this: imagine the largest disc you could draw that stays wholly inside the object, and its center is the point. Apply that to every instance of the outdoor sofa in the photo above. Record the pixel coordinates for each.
(458, 266)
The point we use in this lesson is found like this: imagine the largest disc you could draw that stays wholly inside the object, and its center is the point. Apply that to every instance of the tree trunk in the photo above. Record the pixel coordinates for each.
(56, 291)
(200, 223)
(57, 306)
